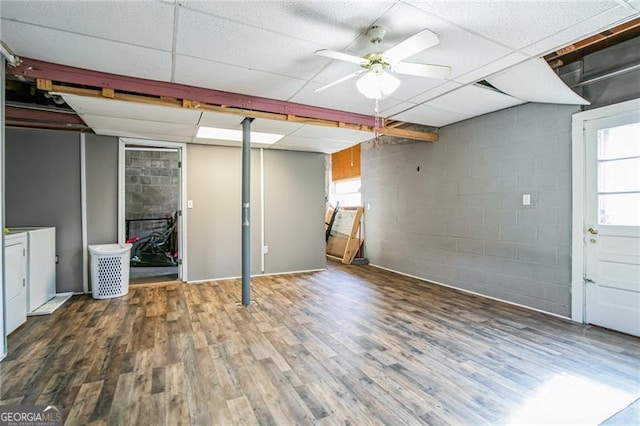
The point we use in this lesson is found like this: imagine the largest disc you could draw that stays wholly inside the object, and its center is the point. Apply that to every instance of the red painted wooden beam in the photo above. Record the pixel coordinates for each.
(33, 68)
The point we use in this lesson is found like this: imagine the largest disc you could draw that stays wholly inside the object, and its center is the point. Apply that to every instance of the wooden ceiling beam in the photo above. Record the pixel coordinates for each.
(36, 69)
(203, 106)
(111, 86)
(409, 134)
(594, 43)
(393, 123)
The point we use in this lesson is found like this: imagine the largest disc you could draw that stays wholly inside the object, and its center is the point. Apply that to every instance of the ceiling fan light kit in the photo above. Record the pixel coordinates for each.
(377, 82)
(377, 85)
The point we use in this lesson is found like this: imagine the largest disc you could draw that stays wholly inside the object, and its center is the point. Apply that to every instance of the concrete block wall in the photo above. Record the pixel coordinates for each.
(152, 188)
(451, 211)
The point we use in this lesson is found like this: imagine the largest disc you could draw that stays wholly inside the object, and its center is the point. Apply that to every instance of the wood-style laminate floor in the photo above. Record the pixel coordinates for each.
(352, 345)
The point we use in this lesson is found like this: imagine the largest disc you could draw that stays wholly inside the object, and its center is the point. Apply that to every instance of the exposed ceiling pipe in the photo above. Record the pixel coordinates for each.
(608, 75)
(11, 57)
(43, 118)
(56, 98)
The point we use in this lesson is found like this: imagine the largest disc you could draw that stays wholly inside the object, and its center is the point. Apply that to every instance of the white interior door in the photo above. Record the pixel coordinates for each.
(612, 222)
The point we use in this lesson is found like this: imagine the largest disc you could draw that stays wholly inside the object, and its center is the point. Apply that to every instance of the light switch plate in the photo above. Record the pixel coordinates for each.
(189, 204)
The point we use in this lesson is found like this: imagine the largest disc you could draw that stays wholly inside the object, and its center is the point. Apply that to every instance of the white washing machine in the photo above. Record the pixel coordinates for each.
(15, 252)
(41, 265)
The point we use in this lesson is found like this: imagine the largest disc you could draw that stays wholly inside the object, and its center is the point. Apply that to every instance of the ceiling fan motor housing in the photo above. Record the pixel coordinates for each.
(375, 63)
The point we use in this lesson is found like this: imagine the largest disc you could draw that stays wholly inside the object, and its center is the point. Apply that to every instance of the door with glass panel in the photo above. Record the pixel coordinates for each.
(612, 228)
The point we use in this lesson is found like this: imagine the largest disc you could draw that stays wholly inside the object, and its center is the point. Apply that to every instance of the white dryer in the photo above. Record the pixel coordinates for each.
(15, 252)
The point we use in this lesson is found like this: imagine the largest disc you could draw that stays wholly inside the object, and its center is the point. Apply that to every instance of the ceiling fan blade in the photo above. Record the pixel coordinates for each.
(340, 80)
(332, 54)
(423, 70)
(414, 44)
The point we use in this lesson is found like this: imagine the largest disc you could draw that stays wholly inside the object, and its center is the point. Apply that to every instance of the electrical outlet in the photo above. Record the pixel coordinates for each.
(526, 199)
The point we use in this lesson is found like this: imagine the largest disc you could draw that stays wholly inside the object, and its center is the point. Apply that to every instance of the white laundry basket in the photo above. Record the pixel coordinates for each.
(109, 270)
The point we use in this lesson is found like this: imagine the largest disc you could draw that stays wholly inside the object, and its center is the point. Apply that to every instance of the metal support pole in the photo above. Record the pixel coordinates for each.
(246, 229)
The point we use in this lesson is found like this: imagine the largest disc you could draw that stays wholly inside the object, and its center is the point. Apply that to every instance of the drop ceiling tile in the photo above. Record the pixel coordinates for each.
(434, 93)
(275, 126)
(86, 52)
(225, 121)
(483, 72)
(232, 78)
(515, 24)
(213, 142)
(395, 109)
(474, 100)
(634, 4)
(463, 51)
(335, 134)
(234, 121)
(132, 110)
(333, 70)
(143, 23)
(411, 85)
(334, 24)
(430, 116)
(296, 143)
(580, 31)
(141, 135)
(234, 43)
(306, 149)
(220, 142)
(543, 84)
(138, 126)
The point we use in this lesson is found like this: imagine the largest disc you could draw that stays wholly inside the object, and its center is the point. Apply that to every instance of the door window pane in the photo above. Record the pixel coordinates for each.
(619, 142)
(619, 175)
(619, 209)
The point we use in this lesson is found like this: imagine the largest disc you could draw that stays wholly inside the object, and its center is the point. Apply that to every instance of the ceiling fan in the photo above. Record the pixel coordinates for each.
(377, 82)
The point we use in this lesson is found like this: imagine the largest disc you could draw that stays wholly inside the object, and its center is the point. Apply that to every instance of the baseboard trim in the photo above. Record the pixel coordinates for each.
(463, 290)
(256, 275)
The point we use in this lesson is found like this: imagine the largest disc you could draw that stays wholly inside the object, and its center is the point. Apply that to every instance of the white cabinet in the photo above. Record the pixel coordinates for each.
(41, 265)
(15, 252)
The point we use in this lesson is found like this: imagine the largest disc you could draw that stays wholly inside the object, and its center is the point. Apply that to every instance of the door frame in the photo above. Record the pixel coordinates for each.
(579, 199)
(182, 223)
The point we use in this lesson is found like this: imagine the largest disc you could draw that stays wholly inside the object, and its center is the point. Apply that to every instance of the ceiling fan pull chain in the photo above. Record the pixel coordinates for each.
(376, 124)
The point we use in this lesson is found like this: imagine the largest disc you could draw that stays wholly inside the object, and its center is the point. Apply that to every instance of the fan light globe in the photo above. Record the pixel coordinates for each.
(377, 85)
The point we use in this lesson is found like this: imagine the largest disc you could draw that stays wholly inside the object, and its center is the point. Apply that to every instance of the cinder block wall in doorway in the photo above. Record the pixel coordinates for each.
(152, 188)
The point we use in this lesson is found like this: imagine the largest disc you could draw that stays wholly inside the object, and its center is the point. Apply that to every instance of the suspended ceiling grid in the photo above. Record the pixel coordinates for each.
(266, 48)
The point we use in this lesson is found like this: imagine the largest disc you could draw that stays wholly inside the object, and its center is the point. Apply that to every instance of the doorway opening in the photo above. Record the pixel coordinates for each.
(151, 213)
